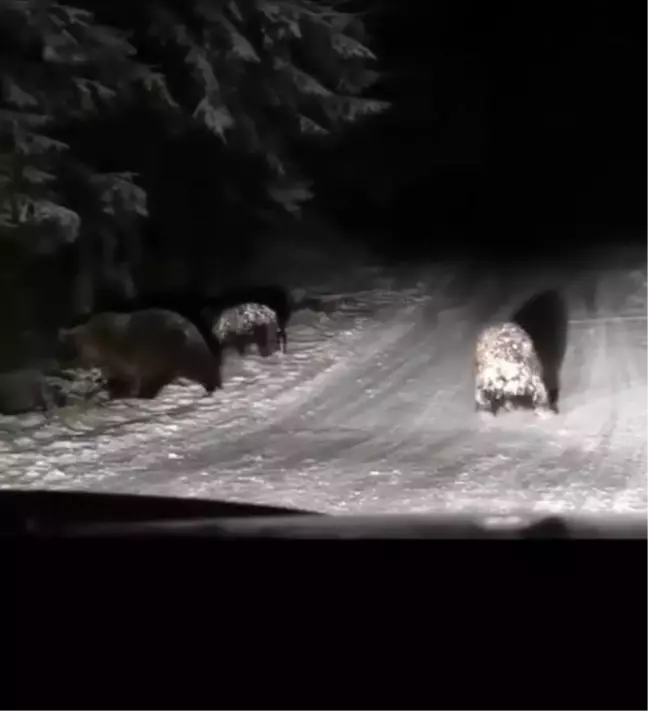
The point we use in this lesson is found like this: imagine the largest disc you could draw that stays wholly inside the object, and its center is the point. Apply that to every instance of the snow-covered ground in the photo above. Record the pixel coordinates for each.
(371, 409)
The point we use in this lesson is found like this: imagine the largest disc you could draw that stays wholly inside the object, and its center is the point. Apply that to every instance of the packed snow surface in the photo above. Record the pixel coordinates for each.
(371, 410)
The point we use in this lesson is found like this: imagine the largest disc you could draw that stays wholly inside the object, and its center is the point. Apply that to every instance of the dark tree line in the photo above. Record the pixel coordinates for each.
(154, 140)
(134, 135)
(505, 117)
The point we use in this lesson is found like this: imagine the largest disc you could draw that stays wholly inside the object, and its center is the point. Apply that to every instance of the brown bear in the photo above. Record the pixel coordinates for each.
(140, 353)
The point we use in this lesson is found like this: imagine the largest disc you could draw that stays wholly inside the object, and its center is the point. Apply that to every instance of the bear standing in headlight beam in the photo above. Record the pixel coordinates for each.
(508, 372)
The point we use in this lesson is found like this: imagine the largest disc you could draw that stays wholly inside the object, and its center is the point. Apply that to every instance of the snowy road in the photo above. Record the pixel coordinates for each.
(371, 410)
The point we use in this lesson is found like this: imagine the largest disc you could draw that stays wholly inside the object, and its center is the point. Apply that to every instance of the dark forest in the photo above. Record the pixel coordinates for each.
(158, 144)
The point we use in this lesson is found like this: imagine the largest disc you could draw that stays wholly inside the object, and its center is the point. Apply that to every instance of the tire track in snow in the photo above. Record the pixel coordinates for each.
(389, 370)
(519, 459)
(595, 462)
(291, 406)
(495, 459)
(628, 381)
(299, 435)
(388, 364)
(504, 464)
(323, 444)
(145, 464)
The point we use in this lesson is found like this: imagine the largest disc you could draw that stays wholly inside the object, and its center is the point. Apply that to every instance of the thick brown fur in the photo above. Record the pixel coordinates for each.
(194, 307)
(140, 353)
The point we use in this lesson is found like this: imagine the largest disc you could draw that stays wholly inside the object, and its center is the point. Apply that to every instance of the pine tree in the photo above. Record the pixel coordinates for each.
(263, 76)
(58, 66)
(257, 76)
(260, 77)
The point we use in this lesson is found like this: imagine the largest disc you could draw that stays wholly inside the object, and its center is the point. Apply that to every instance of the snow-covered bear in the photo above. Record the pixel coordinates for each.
(508, 371)
(243, 324)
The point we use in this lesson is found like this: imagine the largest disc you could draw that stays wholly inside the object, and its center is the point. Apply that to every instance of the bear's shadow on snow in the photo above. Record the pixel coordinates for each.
(545, 318)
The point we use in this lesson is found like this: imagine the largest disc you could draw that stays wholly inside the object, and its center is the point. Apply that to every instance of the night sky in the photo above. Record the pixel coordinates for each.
(516, 119)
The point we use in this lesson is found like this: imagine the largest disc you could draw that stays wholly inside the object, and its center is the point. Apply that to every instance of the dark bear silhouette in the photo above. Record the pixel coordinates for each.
(194, 307)
(545, 318)
(139, 353)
